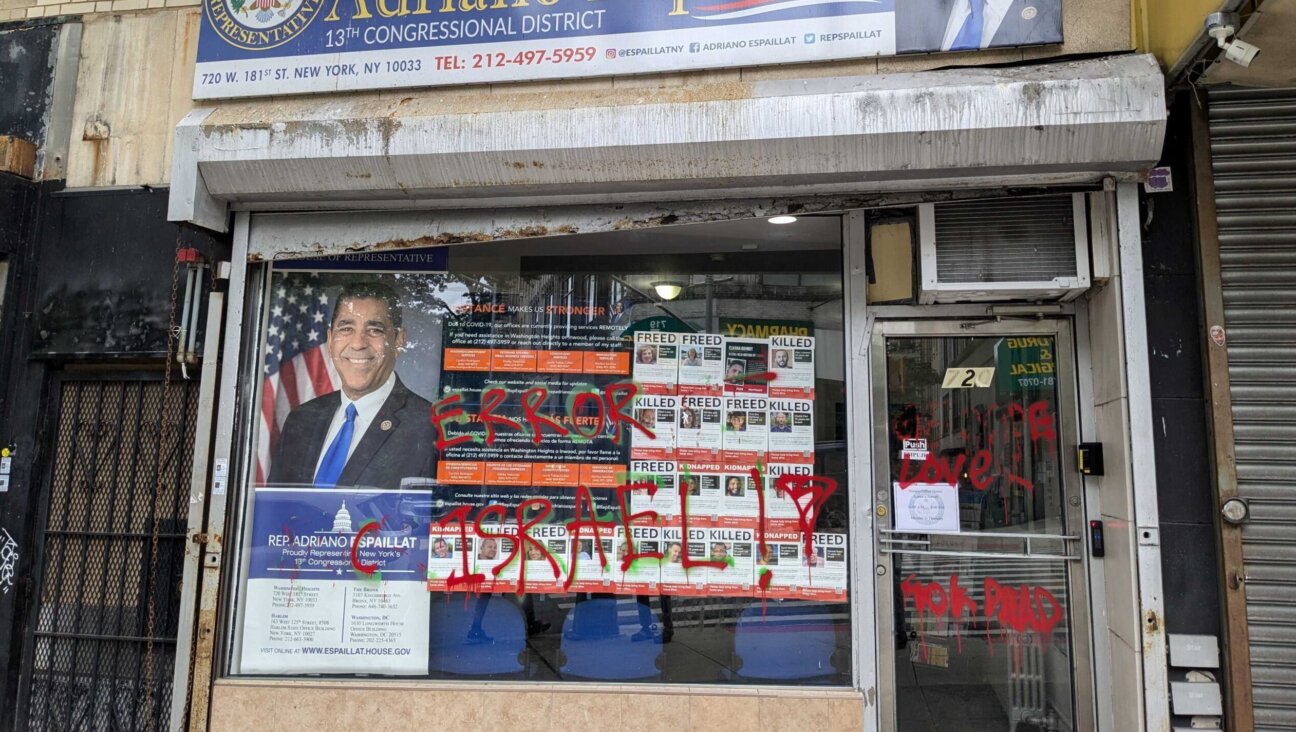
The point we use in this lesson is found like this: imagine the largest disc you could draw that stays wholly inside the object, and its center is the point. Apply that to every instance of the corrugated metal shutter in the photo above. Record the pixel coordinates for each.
(1253, 145)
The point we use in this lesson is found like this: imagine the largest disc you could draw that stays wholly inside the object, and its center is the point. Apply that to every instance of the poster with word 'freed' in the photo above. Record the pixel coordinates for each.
(661, 473)
(700, 435)
(746, 428)
(701, 363)
(656, 361)
(643, 574)
(310, 608)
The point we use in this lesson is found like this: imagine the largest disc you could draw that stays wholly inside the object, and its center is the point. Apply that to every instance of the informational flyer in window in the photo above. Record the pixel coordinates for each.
(792, 367)
(791, 430)
(746, 366)
(782, 561)
(336, 583)
(701, 363)
(700, 433)
(656, 361)
(746, 429)
(659, 414)
(926, 508)
(644, 574)
(826, 568)
(663, 474)
(736, 548)
(591, 574)
(674, 579)
(739, 499)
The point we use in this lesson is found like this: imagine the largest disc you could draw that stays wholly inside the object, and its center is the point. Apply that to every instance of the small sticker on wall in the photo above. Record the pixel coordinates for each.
(968, 378)
(1159, 180)
(1217, 335)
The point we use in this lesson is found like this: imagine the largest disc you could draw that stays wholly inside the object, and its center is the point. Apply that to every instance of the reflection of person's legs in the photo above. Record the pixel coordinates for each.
(668, 625)
(534, 626)
(646, 630)
(475, 632)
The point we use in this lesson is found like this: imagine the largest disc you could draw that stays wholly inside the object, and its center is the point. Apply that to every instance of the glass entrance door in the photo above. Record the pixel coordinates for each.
(982, 594)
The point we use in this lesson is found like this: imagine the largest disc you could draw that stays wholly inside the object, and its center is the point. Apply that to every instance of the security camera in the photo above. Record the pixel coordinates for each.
(1222, 26)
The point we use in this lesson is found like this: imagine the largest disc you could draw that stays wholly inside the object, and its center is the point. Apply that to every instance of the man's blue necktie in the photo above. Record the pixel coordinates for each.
(969, 36)
(336, 457)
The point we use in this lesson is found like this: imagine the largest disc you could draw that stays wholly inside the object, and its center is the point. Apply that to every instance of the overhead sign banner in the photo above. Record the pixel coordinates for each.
(274, 47)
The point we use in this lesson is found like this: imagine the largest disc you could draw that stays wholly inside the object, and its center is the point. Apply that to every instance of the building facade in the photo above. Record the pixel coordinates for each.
(899, 463)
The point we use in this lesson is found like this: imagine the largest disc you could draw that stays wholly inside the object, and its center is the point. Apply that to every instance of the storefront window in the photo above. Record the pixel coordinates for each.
(595, 458)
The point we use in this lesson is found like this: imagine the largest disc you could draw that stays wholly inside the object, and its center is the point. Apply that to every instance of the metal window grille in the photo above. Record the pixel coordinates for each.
(90, 663)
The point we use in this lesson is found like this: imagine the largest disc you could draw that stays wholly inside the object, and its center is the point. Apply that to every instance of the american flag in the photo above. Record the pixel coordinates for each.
(297, 366)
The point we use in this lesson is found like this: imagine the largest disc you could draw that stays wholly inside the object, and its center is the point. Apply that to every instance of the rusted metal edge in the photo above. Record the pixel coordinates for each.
(1239, 706)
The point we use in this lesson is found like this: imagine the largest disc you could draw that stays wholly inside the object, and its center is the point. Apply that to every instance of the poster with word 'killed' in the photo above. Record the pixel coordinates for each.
(734, 549)
(792, 366)
(791, 430)
(675, 579)
(312, 608)
(659, 414)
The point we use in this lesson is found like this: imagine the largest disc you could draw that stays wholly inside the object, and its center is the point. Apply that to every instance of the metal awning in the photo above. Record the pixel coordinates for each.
(1061, 123)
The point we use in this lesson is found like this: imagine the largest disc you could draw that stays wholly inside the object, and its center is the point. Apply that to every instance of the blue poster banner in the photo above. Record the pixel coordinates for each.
(264, 47)
(337, 582)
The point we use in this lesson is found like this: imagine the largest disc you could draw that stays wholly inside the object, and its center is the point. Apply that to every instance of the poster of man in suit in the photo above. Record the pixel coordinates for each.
(372, 430)
(970, 25)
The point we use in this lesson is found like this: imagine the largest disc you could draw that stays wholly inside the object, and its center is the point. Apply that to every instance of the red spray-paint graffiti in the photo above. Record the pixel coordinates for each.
(1020, 613)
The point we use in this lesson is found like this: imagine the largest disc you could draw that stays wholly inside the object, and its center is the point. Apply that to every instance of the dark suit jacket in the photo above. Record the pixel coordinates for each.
(920, 24)
(380, 460)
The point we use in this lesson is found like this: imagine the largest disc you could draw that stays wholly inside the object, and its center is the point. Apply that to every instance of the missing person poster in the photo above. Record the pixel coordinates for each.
(312, 607)
(782, 561)
(545, 558)
(659, 414)
(746, 429)
(739, 500)
(792, 367)
(656, 361)
(791, 430)
(736, 548)
(700, 434)
(701, 363)
(675, 580)
(592, 574)
(700, 484)
(746, 366)
(451, 552)
(826, 573)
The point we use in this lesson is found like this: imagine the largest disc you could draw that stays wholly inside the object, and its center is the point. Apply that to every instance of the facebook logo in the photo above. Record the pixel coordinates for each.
(809, 38)
(695, 47)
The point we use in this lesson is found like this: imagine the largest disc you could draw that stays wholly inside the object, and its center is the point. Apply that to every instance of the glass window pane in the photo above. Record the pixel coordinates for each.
(458, 466)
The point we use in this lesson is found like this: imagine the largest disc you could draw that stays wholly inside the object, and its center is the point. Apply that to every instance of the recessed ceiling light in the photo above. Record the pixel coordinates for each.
(782, 219)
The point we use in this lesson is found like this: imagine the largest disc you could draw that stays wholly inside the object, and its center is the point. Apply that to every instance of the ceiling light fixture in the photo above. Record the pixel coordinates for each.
(668, 289)
(782, 219)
